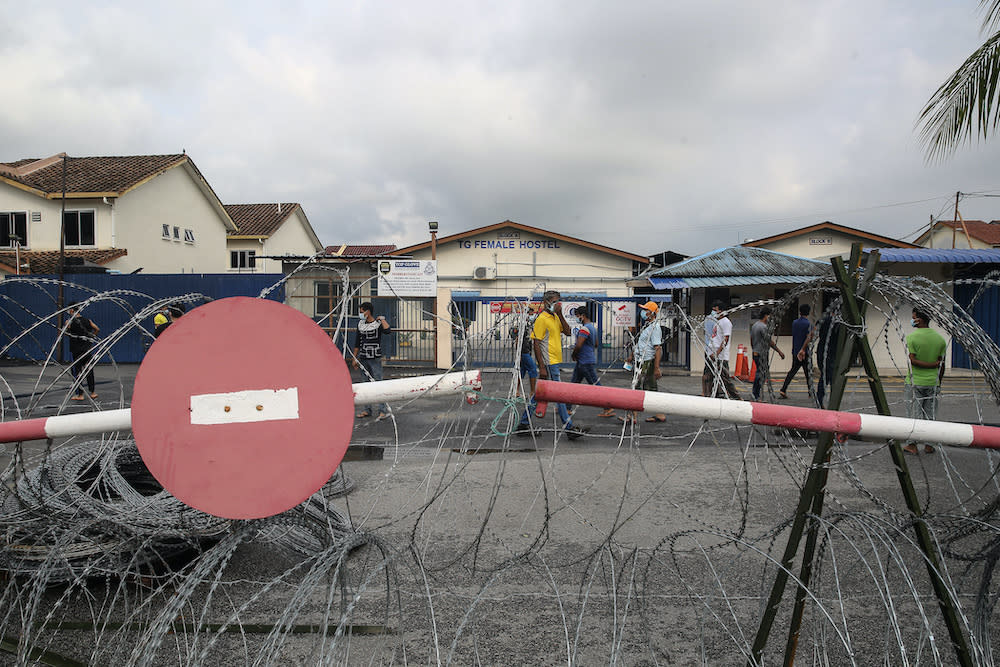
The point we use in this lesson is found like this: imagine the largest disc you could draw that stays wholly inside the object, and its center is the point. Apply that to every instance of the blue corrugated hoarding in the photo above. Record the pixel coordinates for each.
(28, 329)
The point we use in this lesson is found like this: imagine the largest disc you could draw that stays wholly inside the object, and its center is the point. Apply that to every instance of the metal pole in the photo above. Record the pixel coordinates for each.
(62, 255)
(954, 221)
(849, 287)
(927, 544)
(434, 247)
(103, 421)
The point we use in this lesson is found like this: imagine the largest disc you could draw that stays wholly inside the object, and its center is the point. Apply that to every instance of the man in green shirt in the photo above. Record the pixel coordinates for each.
(926, 348)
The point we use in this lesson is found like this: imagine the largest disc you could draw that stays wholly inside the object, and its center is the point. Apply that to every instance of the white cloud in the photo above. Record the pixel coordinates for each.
(632, 124)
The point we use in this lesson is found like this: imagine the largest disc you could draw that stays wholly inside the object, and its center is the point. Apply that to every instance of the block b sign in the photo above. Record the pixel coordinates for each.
(407, 277)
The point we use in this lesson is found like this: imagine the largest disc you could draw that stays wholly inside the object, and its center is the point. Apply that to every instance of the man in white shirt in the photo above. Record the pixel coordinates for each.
(717, 357)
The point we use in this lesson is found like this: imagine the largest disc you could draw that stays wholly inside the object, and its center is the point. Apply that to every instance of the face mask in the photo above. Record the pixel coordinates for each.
(913, 323)
(551, 307)
(645, 315)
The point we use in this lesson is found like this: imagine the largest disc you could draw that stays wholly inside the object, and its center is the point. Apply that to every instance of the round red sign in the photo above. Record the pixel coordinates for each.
(243, 408)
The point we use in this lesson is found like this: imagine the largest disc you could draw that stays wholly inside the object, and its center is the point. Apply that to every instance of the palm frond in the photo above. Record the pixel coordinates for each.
(991, 22)
(965, 105)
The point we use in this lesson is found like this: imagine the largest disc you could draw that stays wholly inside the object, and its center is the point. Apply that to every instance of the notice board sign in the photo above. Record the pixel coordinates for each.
(407, 277)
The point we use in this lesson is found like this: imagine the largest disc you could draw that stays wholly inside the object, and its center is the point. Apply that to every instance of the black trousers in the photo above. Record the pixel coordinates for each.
(796, 365)
(80, 360)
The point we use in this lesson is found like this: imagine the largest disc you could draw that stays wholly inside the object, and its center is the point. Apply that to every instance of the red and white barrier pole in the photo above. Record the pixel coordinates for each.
(768, 414)
(406, 388)
(90, 423)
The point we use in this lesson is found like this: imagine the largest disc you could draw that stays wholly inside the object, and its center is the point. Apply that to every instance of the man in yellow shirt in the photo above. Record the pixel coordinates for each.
(550, 327)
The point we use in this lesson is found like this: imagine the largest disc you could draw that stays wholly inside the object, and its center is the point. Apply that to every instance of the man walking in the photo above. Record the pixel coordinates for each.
(761, 343)
(585, 353)
(368, 352)
(524, 346)
(708, 375)
(926, 348)
(648, 354)
(550, 326)
(82, 333)
(717, 363)
(802, 333)
(827, 345)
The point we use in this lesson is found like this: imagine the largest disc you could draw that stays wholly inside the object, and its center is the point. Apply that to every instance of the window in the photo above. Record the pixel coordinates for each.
(242, 259)
(188, 236)
(328, 301)
(79, 228)
(13, 227)
(177, 233)
(166, 231)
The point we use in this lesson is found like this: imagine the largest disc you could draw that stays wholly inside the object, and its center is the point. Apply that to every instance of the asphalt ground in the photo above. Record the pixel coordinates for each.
(645, 544)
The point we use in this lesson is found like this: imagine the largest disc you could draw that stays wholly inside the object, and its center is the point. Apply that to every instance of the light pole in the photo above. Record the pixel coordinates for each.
(433, 227)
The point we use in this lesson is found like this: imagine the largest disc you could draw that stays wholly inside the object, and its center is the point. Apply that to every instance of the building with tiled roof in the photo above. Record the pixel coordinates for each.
(268, 232)
(824, 240)
(976, 234)
(348, 250)
(47, 261)
(154, 213)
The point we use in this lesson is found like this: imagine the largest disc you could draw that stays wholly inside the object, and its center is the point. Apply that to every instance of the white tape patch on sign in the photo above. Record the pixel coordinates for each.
(242, 407)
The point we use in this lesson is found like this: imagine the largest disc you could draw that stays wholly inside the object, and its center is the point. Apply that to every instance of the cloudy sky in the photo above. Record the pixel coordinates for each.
(679, 124)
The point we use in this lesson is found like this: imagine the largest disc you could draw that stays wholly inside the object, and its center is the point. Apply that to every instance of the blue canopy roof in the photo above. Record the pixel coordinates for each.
(941, 255)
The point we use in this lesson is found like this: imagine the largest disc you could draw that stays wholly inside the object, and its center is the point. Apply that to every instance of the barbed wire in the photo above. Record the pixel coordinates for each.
(645, 545)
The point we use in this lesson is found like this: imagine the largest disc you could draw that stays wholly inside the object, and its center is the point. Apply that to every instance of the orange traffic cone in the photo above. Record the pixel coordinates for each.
(742, 367)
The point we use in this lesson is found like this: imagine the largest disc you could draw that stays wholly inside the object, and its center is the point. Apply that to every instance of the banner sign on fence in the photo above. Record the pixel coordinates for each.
(623, 313)
(407, 277)
(510, 306)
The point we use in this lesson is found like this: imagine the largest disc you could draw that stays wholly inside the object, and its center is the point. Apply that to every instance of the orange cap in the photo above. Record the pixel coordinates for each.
(650, 306)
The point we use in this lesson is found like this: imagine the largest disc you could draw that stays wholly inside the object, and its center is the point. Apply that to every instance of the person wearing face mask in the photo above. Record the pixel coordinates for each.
(547, 333)
(926, 348)
(648, 353)
(717, 356)
(368, 353)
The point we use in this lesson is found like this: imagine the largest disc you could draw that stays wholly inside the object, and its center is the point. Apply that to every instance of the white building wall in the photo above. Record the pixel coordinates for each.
(821, 244)
(524, 264)
(291, 238)
(527, 264)
(44, 235)
(172, 198)
(944, 237)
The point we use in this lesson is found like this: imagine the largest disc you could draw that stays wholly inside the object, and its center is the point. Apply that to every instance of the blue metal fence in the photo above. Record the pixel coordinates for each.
(985, 311)
(28, 303)
(482, 327)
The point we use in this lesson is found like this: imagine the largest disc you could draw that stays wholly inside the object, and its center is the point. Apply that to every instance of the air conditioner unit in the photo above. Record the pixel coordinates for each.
(484, 273)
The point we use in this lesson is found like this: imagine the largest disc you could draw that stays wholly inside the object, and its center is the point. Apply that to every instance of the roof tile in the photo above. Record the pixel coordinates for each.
(359, 250)
(987, 232)
(259, 219)
(90, 174)
(47, 261)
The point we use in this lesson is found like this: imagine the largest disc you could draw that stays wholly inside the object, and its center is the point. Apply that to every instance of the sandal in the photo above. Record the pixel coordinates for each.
(656, 418)
(77, 398)
(610, 412)
(910, 449)
(928, 449)
(94, 395)
(362, 415)
(381, 416)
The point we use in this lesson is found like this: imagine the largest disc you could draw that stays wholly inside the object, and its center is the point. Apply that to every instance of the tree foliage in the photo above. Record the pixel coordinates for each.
(966, 104)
